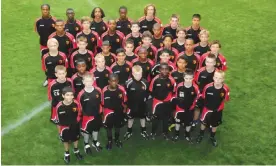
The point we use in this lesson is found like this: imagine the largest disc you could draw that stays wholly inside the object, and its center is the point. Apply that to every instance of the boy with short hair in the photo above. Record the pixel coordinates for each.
(186, 95)
(90, 99)
(180, 69)
(73, 26)
(144, 62)
(189, 54)
(82, 53)
(172, 27)
(101, 71)
(162, 88)
(67, 115)
(51, 59)
(123, 23)
(137, 95)
(55, 88)
(135, 35)
(164, 58)
(195, 28)
(203, 46)
(179, 42)
(129, 47)
(157, 39)
(167, 44)
(203, 77)
(114, 36)
(114, 103)
(214, 95)
(77, 78)
(215, 47)
(93, 38)
(146, 40)
(121, 67)
(109, 57)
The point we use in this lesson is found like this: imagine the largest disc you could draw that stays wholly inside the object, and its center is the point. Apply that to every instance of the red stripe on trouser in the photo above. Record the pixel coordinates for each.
(62, 128)
(85, 121)
(204, 113)
(106, 113)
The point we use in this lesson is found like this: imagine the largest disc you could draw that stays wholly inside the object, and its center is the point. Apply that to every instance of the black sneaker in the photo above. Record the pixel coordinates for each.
(109, 145)
(97, 146)
(175, 138)
(166, 136)
(214, 141)
(78, 155)
(145, 135)
(87, 149)
(199, 139)
(153, 135)
(66, 158)
(188, 138)
(127, 135)
(119, 143)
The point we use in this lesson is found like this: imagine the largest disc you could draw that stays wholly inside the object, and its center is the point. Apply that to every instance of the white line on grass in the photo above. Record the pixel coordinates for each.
(25, 118)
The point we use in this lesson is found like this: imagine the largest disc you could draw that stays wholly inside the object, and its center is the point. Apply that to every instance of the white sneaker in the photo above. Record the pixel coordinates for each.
(45, 83)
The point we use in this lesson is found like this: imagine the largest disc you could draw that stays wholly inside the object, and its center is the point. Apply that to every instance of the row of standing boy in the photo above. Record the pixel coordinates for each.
(156, 73)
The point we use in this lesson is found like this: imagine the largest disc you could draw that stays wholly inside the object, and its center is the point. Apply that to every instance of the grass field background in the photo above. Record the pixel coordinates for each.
(246, 29)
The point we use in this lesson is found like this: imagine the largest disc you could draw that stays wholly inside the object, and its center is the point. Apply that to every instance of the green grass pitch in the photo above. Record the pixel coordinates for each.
(246, 29)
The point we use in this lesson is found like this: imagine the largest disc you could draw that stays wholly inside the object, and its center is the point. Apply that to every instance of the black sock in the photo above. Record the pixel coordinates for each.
(76, 150)
(109, 134)
(201, 133)
(187, 134)
(129, 129)
(143, 129)
(154, 125)
(67, 152)
(212, 135)
(85, 143)
(177, 132)
(117, 133)
(95, 141)
(165, 123)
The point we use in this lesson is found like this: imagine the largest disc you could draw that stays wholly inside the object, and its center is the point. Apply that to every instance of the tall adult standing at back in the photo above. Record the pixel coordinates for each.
(146, 22)
(98, 24)
(45, 25)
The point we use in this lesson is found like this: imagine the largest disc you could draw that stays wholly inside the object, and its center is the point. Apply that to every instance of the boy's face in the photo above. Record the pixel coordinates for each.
(88, 82)
(137, 75)
(81, 68)
(105, 49)
(59, 26)
(195, 21)
(129, 48)
(113, 82)
(61, 75)
(165, 57)
(218, 78)
(86, 25)
(150, 11)
(53, 46)
(121, 57)
(68, 97)
(82, 45)
(146, 41)
(167, 42)
(135, 28)
(204, 38)
(181, 64)
(174, 22)
(210, 63)
(112, 25)
(188, 79)
(100, 63)
(70, 14)
(98, 13)
(157, 31)
(181, 34)
(123, 13)
(214, 48)
(189, 45)
(143, 54)
(45, 10)
(164, 70)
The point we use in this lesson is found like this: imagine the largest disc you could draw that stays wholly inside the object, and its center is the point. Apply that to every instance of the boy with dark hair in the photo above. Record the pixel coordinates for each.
(194, 29)
(157, 39)
(98, 25)
(167, 44)
(135, 35)
(180, 69)
(172, 27)
(162, 88)
(123, 23)
(73, 26)
(129, 47)
(184, 101)
(114, 100)
(179, 42)
(109, 57)
(114, 36)
(67, 115)
(121, 67)
(77, 78)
